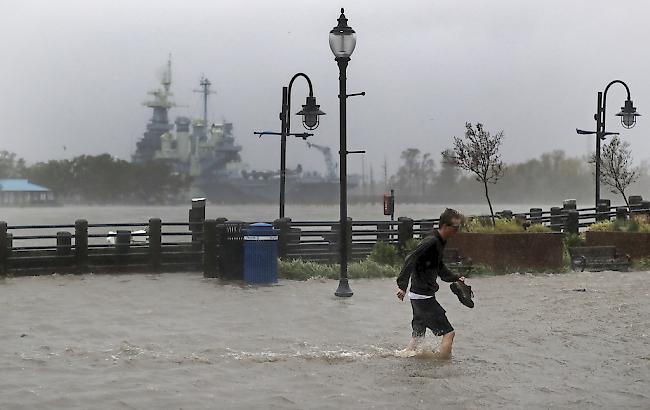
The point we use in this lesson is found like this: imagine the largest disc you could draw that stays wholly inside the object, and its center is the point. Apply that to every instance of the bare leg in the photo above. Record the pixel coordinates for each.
(444, 352)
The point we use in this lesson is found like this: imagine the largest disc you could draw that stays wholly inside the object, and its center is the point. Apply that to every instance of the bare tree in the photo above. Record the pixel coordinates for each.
(478, 153)
(616, 169)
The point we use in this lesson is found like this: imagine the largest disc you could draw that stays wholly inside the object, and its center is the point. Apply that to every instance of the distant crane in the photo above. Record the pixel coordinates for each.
(329, 162)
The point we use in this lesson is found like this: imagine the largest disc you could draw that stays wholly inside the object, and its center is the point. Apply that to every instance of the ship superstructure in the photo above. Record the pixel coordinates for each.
(191, 146)
(208, 154)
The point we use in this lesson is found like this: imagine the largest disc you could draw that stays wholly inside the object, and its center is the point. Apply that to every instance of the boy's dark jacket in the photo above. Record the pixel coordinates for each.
(423, 265)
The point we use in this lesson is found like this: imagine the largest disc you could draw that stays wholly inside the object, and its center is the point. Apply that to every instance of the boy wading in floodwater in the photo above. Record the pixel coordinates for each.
(422, 266)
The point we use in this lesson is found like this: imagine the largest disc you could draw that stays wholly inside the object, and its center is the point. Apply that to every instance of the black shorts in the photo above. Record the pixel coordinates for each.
(429, 313)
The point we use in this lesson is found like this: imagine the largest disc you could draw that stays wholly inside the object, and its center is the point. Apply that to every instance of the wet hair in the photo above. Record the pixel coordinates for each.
(448, 216)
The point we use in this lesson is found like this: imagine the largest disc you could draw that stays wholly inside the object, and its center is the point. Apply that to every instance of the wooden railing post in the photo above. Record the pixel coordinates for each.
(404, 231)
(426, 228)
(283, 225)
(9, 245)
(81, 244)
(383, 237)
(645, 208)
(122, 241)
(602, 210)
(521, 219)
(621, 213)
(155, 244)
(505, 214)
(556, 219)
(569, 204)
(221, 237)
(572, 224)
(3, 247)
(535, 215)
(196, 218)
(63, 243)
(635, 202)
(210, 269)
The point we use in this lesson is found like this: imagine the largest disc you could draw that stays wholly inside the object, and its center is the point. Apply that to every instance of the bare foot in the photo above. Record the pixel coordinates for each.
(406, 353)
(438, 355)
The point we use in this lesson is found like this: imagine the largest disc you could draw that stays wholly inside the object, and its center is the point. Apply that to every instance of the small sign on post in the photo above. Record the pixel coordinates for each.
(389, 204)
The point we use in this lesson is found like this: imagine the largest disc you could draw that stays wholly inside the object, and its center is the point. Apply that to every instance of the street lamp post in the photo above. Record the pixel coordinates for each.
(342, 41)
(628, 116)
(310, 119)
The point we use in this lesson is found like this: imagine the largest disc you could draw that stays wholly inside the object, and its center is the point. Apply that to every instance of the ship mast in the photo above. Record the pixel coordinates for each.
(205, 90)
(159, 122)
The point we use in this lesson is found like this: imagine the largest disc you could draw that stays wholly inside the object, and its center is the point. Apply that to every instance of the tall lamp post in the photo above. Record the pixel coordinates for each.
(342, 40)
(628, 116)
(310, 119)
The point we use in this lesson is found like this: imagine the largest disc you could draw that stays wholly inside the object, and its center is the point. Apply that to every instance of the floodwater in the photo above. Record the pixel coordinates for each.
(179, 341)
(248, 213)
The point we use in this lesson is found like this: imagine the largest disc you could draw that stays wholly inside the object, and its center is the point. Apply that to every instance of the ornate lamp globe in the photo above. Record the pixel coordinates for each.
(342, 38)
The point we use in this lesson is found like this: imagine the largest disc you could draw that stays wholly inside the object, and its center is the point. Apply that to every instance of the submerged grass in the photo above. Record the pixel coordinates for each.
(641, 264)
(302, 270)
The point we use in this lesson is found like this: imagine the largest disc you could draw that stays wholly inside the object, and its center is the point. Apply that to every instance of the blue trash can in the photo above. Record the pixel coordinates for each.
(261, 254)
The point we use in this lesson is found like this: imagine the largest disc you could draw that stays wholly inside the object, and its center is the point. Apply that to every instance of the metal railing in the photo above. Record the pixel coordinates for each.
(157, 246)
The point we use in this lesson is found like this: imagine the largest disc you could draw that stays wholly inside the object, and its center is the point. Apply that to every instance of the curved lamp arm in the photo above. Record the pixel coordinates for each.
(288, 111)
(605, 99)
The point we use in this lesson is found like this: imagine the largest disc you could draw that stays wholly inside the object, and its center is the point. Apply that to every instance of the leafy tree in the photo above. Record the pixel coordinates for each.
(616, 169)
(478, 153)
(447, 177)
(104, 179)
(10, 166)
(155, 182)
(55, 175)
(416, 172)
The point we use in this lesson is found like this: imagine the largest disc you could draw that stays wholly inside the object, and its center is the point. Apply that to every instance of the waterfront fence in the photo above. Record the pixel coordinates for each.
(215, 246)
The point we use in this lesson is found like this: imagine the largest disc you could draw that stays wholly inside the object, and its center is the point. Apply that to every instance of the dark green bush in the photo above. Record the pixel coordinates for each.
(385, 254)
(302, 270)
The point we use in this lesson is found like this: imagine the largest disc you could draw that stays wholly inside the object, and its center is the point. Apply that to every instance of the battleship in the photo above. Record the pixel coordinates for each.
(211, 158)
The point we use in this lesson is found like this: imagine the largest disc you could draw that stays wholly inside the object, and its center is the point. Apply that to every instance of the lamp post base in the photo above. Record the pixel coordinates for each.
(343, 291)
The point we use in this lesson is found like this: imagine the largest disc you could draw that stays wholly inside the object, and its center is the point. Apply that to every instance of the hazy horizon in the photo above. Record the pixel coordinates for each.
(75, 73)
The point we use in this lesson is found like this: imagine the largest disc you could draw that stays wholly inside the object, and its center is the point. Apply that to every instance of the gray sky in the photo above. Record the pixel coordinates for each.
(74, 73)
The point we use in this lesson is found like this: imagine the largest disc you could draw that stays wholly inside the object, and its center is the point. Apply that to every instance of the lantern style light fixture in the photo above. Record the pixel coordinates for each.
(310, 113)
(628, 114)
(342, 38)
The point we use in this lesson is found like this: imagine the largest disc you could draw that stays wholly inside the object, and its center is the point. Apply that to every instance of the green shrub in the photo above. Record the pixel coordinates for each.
(602, 226)
(389, 254)
(480, 269)
(642, 264)
(409, 247)
(569, 241)
(538, 228)
(637, 223)
(371, 269)
(385, 254)
(502, 225)
(302, 270)
(573, 239)
(297, 269)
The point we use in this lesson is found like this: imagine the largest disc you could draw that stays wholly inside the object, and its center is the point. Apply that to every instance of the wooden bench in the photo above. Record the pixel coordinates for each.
(455, 262)
(598, 258)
